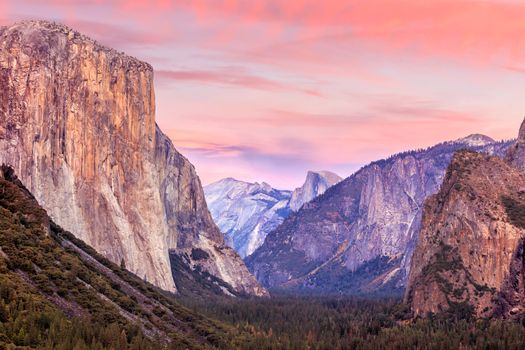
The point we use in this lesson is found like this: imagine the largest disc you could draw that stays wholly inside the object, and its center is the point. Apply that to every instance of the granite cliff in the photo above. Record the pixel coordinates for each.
(78, 127)
(316, 183)
(359, 236)
(470, 254)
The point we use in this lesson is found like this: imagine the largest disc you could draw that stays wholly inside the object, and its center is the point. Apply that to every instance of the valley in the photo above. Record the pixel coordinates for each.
(109, 240)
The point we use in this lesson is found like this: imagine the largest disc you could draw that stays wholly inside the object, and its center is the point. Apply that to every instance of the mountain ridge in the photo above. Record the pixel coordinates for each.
(373, 214)
(316, 183)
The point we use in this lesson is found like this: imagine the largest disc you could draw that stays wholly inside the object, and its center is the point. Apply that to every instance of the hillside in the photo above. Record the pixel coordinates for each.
(58, 293)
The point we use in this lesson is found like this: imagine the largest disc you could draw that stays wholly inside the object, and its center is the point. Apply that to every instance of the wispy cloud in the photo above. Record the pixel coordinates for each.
(232, 77)
(480, 30)
(515, 69)
(380, 110)
(382, 126)
(118, 35)
(216, 150)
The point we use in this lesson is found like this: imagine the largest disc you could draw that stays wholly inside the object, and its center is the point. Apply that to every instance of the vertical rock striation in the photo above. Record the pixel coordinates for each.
(78, 126)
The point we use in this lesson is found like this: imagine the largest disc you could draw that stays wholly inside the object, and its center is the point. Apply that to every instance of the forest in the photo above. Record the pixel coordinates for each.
(290, 322)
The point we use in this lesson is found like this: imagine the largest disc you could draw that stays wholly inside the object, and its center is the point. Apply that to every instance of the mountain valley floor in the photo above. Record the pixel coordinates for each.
(309, 322)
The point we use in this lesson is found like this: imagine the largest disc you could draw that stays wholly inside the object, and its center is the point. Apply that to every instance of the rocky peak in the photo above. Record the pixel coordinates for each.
(246, 212)
(316, 183)
(43, 31)
(521, 134)
(265, 187)
(317, 176)
(78, 127)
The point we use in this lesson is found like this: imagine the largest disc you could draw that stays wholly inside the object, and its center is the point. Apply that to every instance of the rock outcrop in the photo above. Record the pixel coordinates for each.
(516, 154)
(470, 254)
(360, 234)
(316, 183)
(470, 250)
(247, 212)
(78, 126)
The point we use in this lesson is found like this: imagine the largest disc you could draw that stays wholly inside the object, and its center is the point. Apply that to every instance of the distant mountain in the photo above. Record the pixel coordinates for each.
(56, 292)
(359, 235)
(316, 183)
(247, 212)
(470, 256)
(475, 140)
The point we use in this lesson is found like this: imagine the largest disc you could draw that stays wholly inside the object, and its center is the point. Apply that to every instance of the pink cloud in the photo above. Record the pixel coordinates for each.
(117, 35)
(420, 51)
(379, 111)
(3, 10)
(291, 142)
(515, 69)
(481, 30)
(359, 135)
(200, 141)
(233, 77)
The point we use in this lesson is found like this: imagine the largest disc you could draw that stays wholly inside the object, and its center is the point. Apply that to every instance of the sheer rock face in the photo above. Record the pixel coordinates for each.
(470, 248)
(78, 126)
(317, 182)
(368, 221)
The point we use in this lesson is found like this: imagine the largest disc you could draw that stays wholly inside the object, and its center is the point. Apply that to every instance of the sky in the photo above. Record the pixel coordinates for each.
(267, 90)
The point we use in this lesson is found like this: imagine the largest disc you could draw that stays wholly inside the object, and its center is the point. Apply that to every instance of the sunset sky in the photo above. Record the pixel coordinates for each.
(266, 90)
